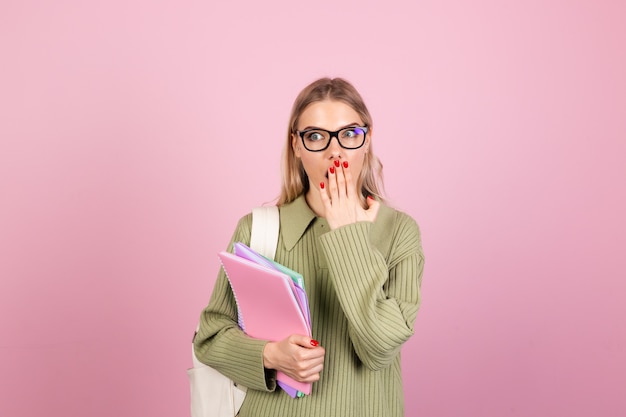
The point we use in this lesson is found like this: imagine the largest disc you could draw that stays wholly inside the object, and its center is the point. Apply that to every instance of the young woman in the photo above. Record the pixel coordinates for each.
(361, 261)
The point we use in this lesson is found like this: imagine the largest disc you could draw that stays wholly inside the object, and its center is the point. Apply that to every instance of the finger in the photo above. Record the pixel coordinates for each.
(341, 179)
(371, 202)
(349, 180)
(332, 179)
(311, 374)
(323, 190)
(311, 365)
(304, 341)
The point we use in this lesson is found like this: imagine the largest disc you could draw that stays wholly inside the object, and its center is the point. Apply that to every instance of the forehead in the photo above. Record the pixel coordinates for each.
(328, 115)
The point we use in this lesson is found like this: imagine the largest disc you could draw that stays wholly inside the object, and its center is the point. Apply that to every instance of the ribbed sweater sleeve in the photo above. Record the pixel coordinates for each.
(379, 298)
(220, 343)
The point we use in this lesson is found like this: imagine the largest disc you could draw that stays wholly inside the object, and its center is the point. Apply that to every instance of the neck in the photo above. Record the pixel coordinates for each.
(314, 201)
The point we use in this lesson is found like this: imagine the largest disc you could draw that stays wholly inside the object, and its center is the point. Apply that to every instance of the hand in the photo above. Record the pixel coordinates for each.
(299, 357)
(341, 201)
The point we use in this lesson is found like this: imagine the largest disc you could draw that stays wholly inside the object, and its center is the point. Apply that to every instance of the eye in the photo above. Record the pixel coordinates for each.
(352, 133)
(314, 136)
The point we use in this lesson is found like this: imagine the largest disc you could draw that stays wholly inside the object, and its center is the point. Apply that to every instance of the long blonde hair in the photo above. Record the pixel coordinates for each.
(294, 179)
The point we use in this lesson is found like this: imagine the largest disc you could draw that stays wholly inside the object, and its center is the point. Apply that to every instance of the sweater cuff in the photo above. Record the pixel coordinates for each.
(245, 364)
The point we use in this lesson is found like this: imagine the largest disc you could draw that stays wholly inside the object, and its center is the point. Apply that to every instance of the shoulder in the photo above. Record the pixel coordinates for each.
(396, 232)
(390, 219)
(245, 221)
(243, 230)
(264, 216)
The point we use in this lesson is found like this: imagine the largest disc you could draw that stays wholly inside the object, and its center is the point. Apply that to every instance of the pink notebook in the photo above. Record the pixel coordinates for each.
(267, 303)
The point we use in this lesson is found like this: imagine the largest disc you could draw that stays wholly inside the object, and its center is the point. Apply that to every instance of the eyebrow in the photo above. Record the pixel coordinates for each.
(321, 128)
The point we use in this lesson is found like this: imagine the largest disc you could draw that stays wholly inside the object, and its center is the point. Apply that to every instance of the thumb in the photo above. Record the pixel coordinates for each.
(304, 341)
(372, 204)
(372, 209)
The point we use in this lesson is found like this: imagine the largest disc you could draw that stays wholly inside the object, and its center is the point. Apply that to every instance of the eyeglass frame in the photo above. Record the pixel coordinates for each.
(335, 135)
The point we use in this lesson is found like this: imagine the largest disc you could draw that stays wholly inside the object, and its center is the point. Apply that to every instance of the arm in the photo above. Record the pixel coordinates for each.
(379, 293)
(380, 297)
(220, 343)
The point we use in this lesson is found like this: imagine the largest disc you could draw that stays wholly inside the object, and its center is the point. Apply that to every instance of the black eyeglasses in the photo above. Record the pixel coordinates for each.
(317, 140)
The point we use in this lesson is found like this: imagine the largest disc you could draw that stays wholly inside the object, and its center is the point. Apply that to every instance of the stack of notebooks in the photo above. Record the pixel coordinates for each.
(271, 302)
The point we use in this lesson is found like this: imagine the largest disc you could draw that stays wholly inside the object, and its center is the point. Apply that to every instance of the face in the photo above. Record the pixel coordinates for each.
(332, 116)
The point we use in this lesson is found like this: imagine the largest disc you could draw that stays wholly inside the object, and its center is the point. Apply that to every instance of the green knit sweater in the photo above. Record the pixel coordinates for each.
(363, 282)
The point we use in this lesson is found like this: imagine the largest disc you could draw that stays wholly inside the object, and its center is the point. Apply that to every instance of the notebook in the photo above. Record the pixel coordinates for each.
(244, 251)
(269, 306)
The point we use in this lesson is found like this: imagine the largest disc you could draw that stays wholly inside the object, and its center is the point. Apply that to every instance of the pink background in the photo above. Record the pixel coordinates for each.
(134, 134)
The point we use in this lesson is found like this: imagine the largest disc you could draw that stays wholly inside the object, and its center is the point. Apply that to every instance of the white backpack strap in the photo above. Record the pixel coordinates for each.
(265, 228)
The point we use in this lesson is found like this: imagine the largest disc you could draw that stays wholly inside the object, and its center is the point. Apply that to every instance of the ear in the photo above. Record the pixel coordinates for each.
(295, 145)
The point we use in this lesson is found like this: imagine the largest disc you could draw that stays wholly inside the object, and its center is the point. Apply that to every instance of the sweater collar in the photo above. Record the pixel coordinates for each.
(295, 218)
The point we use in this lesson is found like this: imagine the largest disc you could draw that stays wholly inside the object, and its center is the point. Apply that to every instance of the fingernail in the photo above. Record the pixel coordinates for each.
(369, 197)
(332, 170)
(322, 185)
(345, 164)
(337, 163)
(314, 343)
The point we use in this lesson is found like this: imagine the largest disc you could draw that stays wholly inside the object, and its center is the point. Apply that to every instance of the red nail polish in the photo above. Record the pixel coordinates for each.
(332, 170)
(322, 185)
(337, 163)
(345, 164)
(314, 343)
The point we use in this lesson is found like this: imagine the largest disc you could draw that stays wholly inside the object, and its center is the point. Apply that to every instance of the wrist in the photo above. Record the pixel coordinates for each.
(268, 355)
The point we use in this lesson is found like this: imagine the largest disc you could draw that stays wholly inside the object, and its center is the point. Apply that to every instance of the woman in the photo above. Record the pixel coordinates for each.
(361, 261)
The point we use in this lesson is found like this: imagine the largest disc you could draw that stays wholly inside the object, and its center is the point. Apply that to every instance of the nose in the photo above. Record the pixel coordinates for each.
(334, 148)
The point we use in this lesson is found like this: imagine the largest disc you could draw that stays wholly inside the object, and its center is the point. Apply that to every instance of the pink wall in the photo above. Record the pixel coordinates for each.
(125, 128)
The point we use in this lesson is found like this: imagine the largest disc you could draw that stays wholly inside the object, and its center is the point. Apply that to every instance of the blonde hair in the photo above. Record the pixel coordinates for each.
(294, 179)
